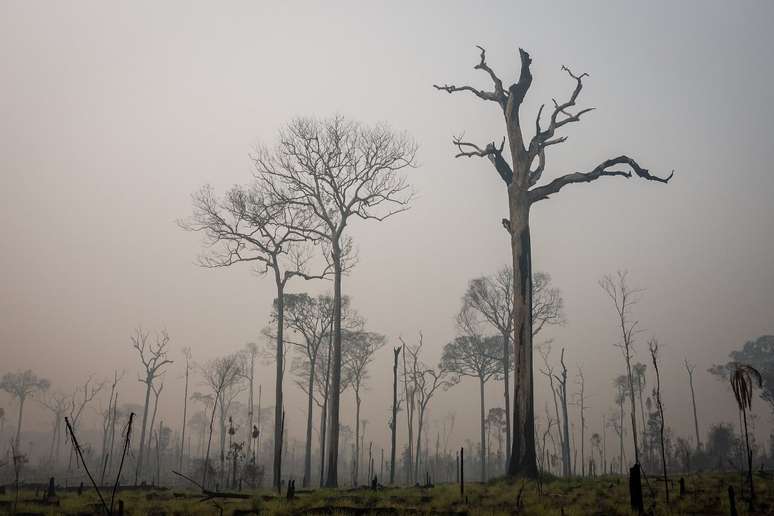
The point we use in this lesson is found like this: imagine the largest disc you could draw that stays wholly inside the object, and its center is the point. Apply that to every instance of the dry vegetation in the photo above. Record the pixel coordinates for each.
(705, 494)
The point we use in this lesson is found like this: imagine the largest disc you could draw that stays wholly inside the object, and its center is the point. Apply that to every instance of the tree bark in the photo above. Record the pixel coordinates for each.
(356, 471)
(523, 459)
(278, 403)
(335, 394)
(394, 428)
(695, 417)
(19, 425)
(483, 431)
(309, 414)
(138, 470)
(507, 395)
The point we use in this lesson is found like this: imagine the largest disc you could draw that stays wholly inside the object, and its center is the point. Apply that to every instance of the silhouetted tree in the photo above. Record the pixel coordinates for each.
(743, 378)
(22, 385)
(425, 383)
(219, 374)
(335, 170)
(153, 359)
(360, 353)
(624, 297)
(690, 369)
(187, 355)
(759, 352)
(250, 224)
(653, 348)
(521, 180)
(472, 354)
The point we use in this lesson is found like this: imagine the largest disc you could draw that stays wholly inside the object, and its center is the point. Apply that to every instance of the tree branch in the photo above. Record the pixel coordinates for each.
(499, 95)
(491, 151)
(543, 192)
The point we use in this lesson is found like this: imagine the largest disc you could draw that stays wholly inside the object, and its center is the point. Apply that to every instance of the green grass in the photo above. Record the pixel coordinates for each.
(608, 496)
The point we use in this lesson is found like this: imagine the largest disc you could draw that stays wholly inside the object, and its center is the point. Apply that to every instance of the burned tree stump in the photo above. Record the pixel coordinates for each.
(635, 489)
(731, 501)
(462, 472)
(682, 486)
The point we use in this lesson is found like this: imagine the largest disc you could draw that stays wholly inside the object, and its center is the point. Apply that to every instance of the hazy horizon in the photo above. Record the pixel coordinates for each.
(114, 114)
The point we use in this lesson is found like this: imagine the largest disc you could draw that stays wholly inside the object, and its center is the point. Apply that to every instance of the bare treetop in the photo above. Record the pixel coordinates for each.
(335, 168)
(247, 226)
(153, 356)
(530, 157)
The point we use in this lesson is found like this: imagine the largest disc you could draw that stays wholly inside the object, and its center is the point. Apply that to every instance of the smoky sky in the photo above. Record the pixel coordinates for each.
(112, 114)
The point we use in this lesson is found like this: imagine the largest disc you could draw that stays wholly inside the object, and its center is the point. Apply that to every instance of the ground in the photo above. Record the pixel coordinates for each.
(706, 494)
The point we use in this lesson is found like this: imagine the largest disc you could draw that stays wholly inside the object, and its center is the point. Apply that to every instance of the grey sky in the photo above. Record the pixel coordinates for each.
(111, 114)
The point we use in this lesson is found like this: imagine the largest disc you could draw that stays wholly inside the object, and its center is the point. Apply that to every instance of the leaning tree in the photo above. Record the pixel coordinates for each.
(521, 176)
(337, 171)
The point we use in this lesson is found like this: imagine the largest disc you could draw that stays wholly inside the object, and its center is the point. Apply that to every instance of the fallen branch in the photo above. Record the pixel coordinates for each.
(85, 467)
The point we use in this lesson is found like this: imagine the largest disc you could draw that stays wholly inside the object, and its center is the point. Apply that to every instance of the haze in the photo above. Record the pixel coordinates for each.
(111, 115)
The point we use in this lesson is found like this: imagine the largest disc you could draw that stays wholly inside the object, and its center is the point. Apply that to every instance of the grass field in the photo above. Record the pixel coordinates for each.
(705, 494)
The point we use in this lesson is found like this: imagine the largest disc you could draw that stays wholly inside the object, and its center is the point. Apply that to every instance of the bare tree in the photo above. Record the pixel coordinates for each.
(219, 374)
(153, 358)
(310, 317)
(156, 388)
(690, 369)
(360, 354)
(336, 170)
(581, 402)
(562, 384)
(409, 397)
(58, 404)
(394, 419)
(108, 423)
(471, 354)
(521, 179)
(248, 370)
(251, 225)
(621, 384)
(555, 383)
(492, 298)
(624, 297)
(187, 355)
(425, 382)
(653, 348)
(22, 385)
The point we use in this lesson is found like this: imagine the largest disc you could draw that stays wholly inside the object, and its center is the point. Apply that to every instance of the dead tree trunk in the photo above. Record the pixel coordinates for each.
(521, 182)
(394, 422)
(690, 368)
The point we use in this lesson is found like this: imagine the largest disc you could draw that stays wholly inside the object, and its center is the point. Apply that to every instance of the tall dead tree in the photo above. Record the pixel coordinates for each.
(153, 358)
(394, 419)
(653, 348)
(521, 176)
(472, 354)
(624, 297)
(219, 374)
(360, 354)
(187, 355)
(562, 381)
(426, 381)
(336, 171)
(690, 369)
(58, 403)
(248, 369)
(581, 402)
(250, 225)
